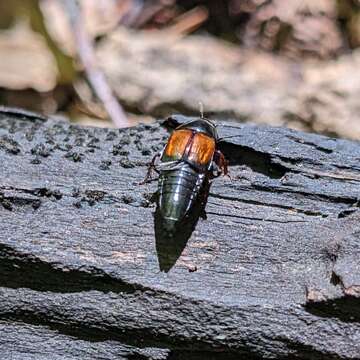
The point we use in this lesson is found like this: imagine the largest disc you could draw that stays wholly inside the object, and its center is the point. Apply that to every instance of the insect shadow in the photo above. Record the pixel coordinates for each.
(170, 244)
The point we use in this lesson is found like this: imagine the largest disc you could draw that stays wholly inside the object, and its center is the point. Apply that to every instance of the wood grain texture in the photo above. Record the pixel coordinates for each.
(272, 273)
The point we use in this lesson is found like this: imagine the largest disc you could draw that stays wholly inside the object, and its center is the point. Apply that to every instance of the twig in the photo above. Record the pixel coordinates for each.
(188, 21)
(94, 74)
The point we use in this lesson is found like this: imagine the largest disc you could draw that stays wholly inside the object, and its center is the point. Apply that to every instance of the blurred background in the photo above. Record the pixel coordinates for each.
(114, 63)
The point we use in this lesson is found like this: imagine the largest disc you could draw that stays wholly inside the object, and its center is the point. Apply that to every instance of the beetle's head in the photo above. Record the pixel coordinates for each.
(199, 124)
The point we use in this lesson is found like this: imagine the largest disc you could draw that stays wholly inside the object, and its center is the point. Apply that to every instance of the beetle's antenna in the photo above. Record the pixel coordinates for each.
(201, 108)
(227, 137)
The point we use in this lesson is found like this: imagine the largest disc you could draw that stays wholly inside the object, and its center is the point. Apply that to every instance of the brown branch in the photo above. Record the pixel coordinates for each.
(189, 21)
(95, 76)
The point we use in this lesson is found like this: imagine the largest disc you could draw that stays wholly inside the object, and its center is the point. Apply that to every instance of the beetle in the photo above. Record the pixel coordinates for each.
(189, 160)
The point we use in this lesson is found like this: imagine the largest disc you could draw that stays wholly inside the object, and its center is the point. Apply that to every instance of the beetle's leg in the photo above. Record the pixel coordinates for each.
(154, 197)
(151, 167)
(221, 163)
(204, 197)
(203, 214)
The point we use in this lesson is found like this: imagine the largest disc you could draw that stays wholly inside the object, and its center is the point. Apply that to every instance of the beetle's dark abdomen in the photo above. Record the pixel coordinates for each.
(178, 190)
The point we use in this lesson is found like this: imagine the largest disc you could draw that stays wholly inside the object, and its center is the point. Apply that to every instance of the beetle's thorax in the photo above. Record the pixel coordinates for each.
(201, 125)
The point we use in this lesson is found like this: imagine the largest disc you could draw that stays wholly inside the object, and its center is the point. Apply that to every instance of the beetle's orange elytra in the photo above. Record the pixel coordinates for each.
(177, 143)
(202, 149)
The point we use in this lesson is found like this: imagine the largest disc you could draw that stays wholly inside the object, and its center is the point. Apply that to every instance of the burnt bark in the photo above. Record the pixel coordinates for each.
(272, 273)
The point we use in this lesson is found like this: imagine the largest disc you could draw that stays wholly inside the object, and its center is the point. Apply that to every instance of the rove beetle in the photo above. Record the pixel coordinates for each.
(189, 160)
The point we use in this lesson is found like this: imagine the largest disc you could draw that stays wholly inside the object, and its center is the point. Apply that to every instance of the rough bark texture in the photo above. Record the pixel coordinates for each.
(156, 74)
(272, 273)
(20, 341)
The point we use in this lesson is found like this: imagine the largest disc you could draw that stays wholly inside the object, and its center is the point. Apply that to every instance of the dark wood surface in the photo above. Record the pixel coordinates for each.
(272, 273)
